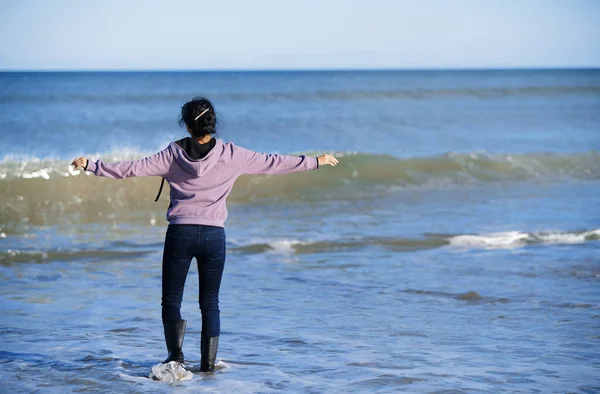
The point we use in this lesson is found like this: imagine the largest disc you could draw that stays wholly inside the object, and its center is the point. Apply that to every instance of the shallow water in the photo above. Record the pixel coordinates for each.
(440, 267)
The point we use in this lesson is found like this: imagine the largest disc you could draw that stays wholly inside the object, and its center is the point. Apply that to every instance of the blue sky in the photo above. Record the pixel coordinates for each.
(290, 34)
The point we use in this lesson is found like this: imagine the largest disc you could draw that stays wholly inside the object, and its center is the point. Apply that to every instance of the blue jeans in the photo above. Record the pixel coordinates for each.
(207, 245)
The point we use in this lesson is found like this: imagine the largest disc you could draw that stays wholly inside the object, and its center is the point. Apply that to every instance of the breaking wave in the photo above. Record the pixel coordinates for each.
(503, 240)
(43, 191)
(510, 239)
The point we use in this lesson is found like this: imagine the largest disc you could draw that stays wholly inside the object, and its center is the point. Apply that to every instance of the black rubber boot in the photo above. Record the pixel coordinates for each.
(208, 352)
(174, 333)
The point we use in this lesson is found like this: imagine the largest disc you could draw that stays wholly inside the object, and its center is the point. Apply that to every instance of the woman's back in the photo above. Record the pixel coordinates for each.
(199, 188)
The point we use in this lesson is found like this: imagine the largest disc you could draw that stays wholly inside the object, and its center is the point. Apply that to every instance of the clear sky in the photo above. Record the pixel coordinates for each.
(291, 34)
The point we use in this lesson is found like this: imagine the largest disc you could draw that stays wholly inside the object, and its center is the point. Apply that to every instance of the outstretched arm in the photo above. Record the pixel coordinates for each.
(251, 162)
(155, 165)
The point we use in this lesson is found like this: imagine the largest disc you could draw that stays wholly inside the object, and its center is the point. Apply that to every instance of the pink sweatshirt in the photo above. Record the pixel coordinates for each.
(199, 188)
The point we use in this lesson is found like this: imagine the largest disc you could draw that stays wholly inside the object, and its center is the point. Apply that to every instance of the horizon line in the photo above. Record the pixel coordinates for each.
(284, 70)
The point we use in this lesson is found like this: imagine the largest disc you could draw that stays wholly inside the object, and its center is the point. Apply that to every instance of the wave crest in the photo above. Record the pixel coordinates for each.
(44, 191)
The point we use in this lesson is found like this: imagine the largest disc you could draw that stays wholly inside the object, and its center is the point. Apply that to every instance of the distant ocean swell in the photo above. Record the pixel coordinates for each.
(42, 192)
(375, 94)
(505, 240)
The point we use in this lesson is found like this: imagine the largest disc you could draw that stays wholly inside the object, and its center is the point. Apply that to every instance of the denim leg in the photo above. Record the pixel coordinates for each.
(177, 256)
(211, 262)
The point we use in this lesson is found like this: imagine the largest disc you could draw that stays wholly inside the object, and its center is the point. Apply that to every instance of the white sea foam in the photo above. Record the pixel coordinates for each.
(42, 173)
(170, 372)
(492, 240)
(566, 238)
(515, 239)
(284, 246)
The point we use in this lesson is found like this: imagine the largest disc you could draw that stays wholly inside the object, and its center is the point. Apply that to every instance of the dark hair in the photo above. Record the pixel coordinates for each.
(205, 124)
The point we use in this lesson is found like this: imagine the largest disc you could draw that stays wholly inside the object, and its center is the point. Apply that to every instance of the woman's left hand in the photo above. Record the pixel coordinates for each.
(80, 162)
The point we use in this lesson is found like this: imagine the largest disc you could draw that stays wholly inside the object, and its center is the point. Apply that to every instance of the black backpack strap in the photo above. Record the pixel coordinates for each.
(162, 183)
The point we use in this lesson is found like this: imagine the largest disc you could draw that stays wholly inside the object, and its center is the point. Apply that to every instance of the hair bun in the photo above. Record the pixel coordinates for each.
(199, 116)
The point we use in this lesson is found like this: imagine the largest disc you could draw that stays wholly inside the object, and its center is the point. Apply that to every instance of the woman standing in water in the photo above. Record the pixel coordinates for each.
(201, 171)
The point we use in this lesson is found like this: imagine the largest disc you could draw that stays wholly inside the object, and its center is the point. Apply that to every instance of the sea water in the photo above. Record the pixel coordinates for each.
(454, 249)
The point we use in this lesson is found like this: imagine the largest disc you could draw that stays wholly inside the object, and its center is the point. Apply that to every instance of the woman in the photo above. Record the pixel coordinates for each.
(201, 171)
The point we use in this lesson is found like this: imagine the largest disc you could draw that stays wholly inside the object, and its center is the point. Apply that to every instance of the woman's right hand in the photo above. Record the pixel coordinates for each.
(327, 159)
(80, 162)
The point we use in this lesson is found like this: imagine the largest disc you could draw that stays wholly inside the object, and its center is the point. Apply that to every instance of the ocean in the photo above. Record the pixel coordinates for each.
(455, 248)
